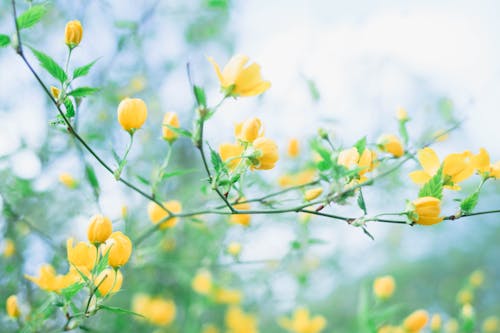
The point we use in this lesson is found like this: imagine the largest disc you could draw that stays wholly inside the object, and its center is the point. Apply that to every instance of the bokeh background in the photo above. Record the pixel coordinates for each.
(344, 66)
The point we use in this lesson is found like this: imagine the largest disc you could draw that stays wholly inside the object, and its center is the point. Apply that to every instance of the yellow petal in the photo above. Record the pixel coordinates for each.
(233, 69)
(217, 71)
(429, 160)
(419, 177)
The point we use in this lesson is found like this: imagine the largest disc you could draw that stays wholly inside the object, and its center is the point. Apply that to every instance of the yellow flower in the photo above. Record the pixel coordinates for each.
(156, 310)
(55, 92)
(238, 80)
(124, 211)
(234, 248)
(249, 130)
(481, 163)
(297, 179)
(390, 329)
(229, 153)
(452, 326)
(266, 154)
(301, 322)
(476, 279)
(12, 307)
(119, 247)
(9, 248)
(202, 282)
(384, 286)
(491, 325)
(313, 193)
(436, 323)
(172, 120)
(109, 281)
(416, 321)
(49, 281)
(73, 33)
(67, 180)
(465, 296)
(401, 114)
(457, 167)
(391, 144)
(351, 159)
(132, 113)
(495, 170)
(83, 254)
(237, 321)
(467, 311)
(243, 219)
(348, 158)
(227, 296)
(210, 328)
(293, 147)
(428, 210)
(100, 228)
(157, 213)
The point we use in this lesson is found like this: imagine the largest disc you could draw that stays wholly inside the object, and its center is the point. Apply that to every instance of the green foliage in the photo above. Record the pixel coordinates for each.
(118, 310)
(360, 145)
(51, 66)
(83, 91)
(83, 70)
(31, 17)
(199, 94)
(92, 178)
(468, 204)
(70, 109)
(4, 40)
(179, 131)
(434, 187)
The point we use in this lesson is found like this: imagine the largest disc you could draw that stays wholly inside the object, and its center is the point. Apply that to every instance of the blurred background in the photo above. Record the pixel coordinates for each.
(342, 66)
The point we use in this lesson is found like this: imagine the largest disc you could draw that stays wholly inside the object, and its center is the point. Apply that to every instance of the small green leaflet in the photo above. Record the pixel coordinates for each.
(50, 65)
(119, 310)
(82, 91)
(434, 187)
(469, 203)
(403, 131)
(361, 145)
(84, 70)
(70, 109)
(72, 290)
(4, 40)
(361, 202)
(216, 160)
(313, 90)
(179, 131)
(31, 17)
(199, 94)
(92, 178)
(177, 173)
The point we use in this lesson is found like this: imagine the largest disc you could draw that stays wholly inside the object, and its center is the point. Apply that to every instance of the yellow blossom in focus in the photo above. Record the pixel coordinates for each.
(172, 120)
(391, 144)
(266, 154)
(350, 158)
(237, 321)
(156, 213)
(416, 321)
(302, 322)
(384, 286)
(202, 282)
(11, 307)
(119, 249)
(238, 80)
(401, 114)
(230, 153)
(100, 228)
(109, 281)
(436, 323)
(481, 163)
(49, 281)
(249, 130)
(313, 193)
(293, 148)
(234, 249)
(476, 279)
(428, 210)
(157, 310)
(9, 248)
(227, 296)
(83, 254)
(451, 326)
(55, 92)
(243, 219)
(67, 180)
(132, 113)
(491, 325)
(73, 33)
(465, 296)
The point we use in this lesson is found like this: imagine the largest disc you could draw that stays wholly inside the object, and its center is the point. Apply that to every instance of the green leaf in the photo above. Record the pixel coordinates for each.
(468, 204)
(361, 145)
(361, 202)
(84, 70)
(92, 178)
(143, 180)
(50, 66)
(199, 94)
(31, 17)
(82, 91)
(179, 131)
(313, 90)
(103, 263)
(4, 40)
(216, 160)
(434, 187)
(403, 131)
(119, 310)
(177, 173)
(71, 291)
(70, 109)
(314, 241)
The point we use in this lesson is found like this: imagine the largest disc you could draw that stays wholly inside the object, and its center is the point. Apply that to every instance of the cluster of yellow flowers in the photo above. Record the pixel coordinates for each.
(203, 284)
(302, 322)
(156, 310)
(83, 258)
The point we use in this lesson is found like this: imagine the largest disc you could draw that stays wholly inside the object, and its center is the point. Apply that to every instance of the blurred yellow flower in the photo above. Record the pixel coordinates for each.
(157, 213)
(428, 210)
(67, 180)
(401, 114)
(11, 307)
(249, 130)
(476, 279)
(81, 255)
(451, 326)
(100, 228)
(237, 321)
(49, 281)
(302, 322)
(441, 135)
(238, 80)
(481, 163)
(210, 328)
(172, 120)
(491, 325)
(157, 310)
(391, 144)
(109, 281)
(119, 249)
(313, 193)
(243, 219)
(9, 248)
(293, 148)
(297, 179)
(266, 154)
(73, 33)
(132, 113)
(465, 296)
(416, 321)
(435, 323)
(202, 282)
(124, 211)
(384, 286)
(234, 249)
(230, 153)
(390, 329)
(467, 311)
(227, 296)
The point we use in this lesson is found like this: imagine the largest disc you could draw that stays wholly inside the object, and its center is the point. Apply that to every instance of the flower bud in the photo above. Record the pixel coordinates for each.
(67, 180)
(73, 33)
(267, 153)
(82, 255)
(391, 144)
(170, 119)
(428, 210)
(249, 130)
(100, 229)
(55, 92)
(132, 113)
(383, 287)
(401, 114)
(202, 282)
(416, 321)
(109, 281)
(234, 249)
(157, 213)
(313, 193)
(293, 148)
(452, 326)
(119, 248)
(12, 307)
(476, 279)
